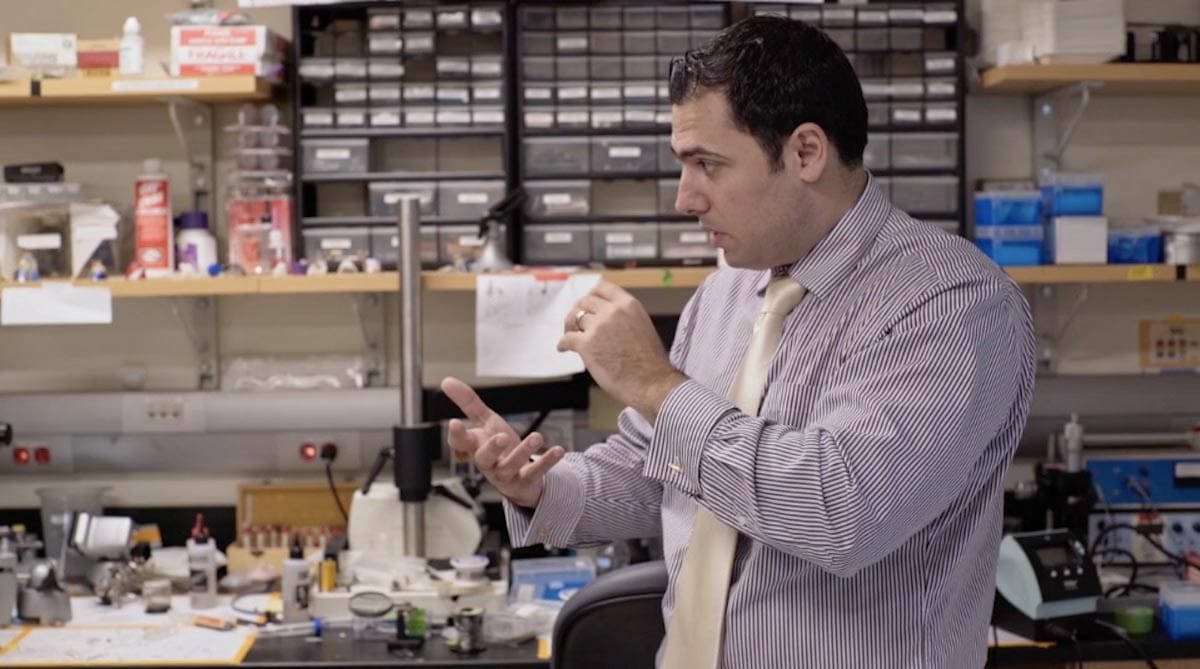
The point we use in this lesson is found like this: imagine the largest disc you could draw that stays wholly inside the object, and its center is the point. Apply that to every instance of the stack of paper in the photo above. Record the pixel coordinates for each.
(1074, 31)
(1001, 40)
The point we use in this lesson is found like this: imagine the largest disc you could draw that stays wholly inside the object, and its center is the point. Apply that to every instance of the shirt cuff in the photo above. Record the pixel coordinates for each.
(685, 420)
(557, 514)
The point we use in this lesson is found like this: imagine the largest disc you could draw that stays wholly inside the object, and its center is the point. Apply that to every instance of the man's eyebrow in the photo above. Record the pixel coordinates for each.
(696, 152)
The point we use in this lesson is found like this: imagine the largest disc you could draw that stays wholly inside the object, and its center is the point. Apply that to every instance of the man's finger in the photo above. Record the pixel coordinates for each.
(461, 439)
(467, 399)
(570, 342)
(518, 456)
(539, 467)
(610, 292)
(492, 450)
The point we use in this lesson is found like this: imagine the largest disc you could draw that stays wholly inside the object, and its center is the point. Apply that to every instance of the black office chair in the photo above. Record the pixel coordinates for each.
(614, 621)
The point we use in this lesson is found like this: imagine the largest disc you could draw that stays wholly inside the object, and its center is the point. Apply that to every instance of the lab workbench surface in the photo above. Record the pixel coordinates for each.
(340, 650)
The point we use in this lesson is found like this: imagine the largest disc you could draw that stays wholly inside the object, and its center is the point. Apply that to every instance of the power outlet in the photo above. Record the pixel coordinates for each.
(288, 447)
(57, 451)
(156, 413)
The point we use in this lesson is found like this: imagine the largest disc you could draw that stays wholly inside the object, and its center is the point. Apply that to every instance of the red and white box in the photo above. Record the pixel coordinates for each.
(227, 50)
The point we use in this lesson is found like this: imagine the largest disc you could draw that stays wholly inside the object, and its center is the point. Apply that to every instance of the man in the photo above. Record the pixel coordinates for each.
(849, 514)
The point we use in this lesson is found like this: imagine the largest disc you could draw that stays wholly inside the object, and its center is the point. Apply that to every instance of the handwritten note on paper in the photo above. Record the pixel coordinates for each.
(56, 303)
(519, 320)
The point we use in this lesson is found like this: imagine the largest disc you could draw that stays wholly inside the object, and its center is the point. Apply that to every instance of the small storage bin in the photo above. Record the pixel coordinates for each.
(685, 243)
(419, 94)
(485, 92)
(605, 17)
(625, 154)
(605, 42)
(667, 162)
(941, 113)
(385, 69)
(641, 67)
(351, 118)
(468, 199)
(350, 94)
(640, 18)
(707, 17)
(385, 247)
(878, 153)
(908, 113)
(872, 39)
(453, 95)
(453, 67)
(418, 19)
(624, 243)
(537, 68)
(384, 94)
(905, 38)
(386, 117)
(607, 68)
(420, 117)
(459, 244)
(607, 93)
(572, 118)
(418, 44)
(573, 67)
(558, 244)
(566, 43)
(385, 195)
(674, 42)
(333, 245)
(556, 155)
(537, 43)
(926, 195)
(638, 42)
(572, 18)
(385, 44)
(604, 118)
(668, 192)
(486, 67)
(316, 117)
(537, 18)
(672, 18)
(328, 156)
(454, 117)
(921, 150)
(559, 198)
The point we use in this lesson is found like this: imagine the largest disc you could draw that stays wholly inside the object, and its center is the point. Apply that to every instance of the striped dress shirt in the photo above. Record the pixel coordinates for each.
(868, 492)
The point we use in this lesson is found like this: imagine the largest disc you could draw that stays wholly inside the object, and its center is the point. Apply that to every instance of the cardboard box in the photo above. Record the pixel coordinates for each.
(42, 51)
(99, 57)
(227, 50)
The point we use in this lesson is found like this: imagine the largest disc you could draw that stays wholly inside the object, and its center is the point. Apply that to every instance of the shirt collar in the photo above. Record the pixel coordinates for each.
(835, 255)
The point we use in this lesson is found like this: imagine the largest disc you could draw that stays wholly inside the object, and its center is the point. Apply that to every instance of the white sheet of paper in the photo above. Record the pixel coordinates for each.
(519, 320)
(56, 303)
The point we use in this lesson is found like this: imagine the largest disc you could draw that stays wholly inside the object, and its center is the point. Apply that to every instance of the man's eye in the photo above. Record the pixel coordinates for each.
(705, 165)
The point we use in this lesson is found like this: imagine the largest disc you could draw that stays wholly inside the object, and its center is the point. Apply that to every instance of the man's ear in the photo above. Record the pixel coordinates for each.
(808, 150)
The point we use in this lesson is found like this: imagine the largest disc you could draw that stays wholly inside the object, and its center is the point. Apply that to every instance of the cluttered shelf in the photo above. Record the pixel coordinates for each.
(112, 90)
(1115, 78)
(635, 279)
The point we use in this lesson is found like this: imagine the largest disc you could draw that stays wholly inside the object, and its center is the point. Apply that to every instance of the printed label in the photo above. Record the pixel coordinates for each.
(333, 154)
(335, 244)
(624, 152)
(472, 198)
(558, 237)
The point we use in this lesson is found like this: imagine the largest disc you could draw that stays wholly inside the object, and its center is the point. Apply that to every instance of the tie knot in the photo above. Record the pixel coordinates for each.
(783, 294)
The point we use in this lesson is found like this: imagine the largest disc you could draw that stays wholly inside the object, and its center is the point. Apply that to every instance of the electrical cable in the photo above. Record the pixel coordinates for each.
(1133, 569)
(333, 491)
(1068, 635)
(1124, 636)
(537, 422)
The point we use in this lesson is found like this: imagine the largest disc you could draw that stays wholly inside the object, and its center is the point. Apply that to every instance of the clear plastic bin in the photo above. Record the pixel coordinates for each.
(573, 67)
(351, 118)
(459, 244)
(417, 44)
(538, 94)
(906, 38)
(573, 118)
(385, 44)
(572, 94)
(908, 113)
(879, 113)
(486, 19)
(666, 157)
(640, 117)
(837, 16)
(350, 68)
(673, 41)
(537, 18)
(878, 153)
(453, 117)
(486, 67)
(383, 18)
(924, 150)
(385, 247)
(926, 195)
(872, 17)
(452, 18)
(559, 198)
(385, 69)
(418, 19)
(707, 18)
(537, 68)
(453, 95)
(334, 245)
(624, 243)
(685, 243)
(605, 118)
(327, 156)
(605, 17)
(572, 18)
(641, 92)
(906, 15)
(386, 117)
(487, 116)
(640, 18)
(420, 94)
(537, 43)
(557, 244)
(566, 43)
(641, 67)
(349, 94)
(872, 39)
(316, 69)
(625, 154)
(468, 199)
(941, 88)
(668, 192)
(941, 113)
(609, 93)
(420, 117)
(638, 42)
(385, 94)
(605, 42)
(316, 117)
(556, 155)
(453, 67)
(385, 196)
(486, 92)
(907, 89)
(941, 63)
(608, 68)
(672, 18)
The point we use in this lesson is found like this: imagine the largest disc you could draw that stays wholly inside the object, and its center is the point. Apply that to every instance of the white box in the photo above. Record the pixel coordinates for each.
(42, 51)
(1074, 31)
(1079, 240)
(227, 50)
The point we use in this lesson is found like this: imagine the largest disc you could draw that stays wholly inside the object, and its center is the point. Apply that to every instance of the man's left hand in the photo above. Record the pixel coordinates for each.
(611, 331)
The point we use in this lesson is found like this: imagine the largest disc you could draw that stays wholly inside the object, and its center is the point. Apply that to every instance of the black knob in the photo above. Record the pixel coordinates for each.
(1196, 527)
(1177, 528)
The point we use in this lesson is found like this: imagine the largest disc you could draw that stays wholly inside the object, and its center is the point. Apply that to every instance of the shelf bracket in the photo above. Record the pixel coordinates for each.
(195, 134)
(368, 312)
(1044, 305)
(200, 326)
(1048, 144)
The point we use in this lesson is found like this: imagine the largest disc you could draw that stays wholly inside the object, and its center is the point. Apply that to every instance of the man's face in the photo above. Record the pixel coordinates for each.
(755, 214)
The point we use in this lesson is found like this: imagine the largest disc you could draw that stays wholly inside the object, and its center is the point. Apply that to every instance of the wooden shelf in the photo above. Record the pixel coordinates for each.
(1193, 273)
(1051, 274)
(104, 90)
(1116, 78)
(642, 278)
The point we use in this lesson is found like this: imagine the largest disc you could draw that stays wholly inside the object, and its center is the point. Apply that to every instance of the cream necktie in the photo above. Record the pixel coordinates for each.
(694, 631)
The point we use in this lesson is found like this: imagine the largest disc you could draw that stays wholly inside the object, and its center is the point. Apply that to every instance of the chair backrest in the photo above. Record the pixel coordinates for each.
(614, 621)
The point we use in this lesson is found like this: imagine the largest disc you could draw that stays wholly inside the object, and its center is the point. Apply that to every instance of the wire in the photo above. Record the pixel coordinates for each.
(1065, 634)
(1133, 566)
(333, 491)
(993, 659)
(1124, 636)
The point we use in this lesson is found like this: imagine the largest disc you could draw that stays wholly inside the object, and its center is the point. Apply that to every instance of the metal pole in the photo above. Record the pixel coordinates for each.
(411, 388)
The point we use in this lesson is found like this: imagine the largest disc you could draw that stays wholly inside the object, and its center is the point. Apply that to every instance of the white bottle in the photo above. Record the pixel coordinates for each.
(297, 581)
(129, 58)
(195, 246)
(202, 572)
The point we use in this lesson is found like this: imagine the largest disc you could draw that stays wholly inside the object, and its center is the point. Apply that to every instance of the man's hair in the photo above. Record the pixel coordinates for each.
(778, 73)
